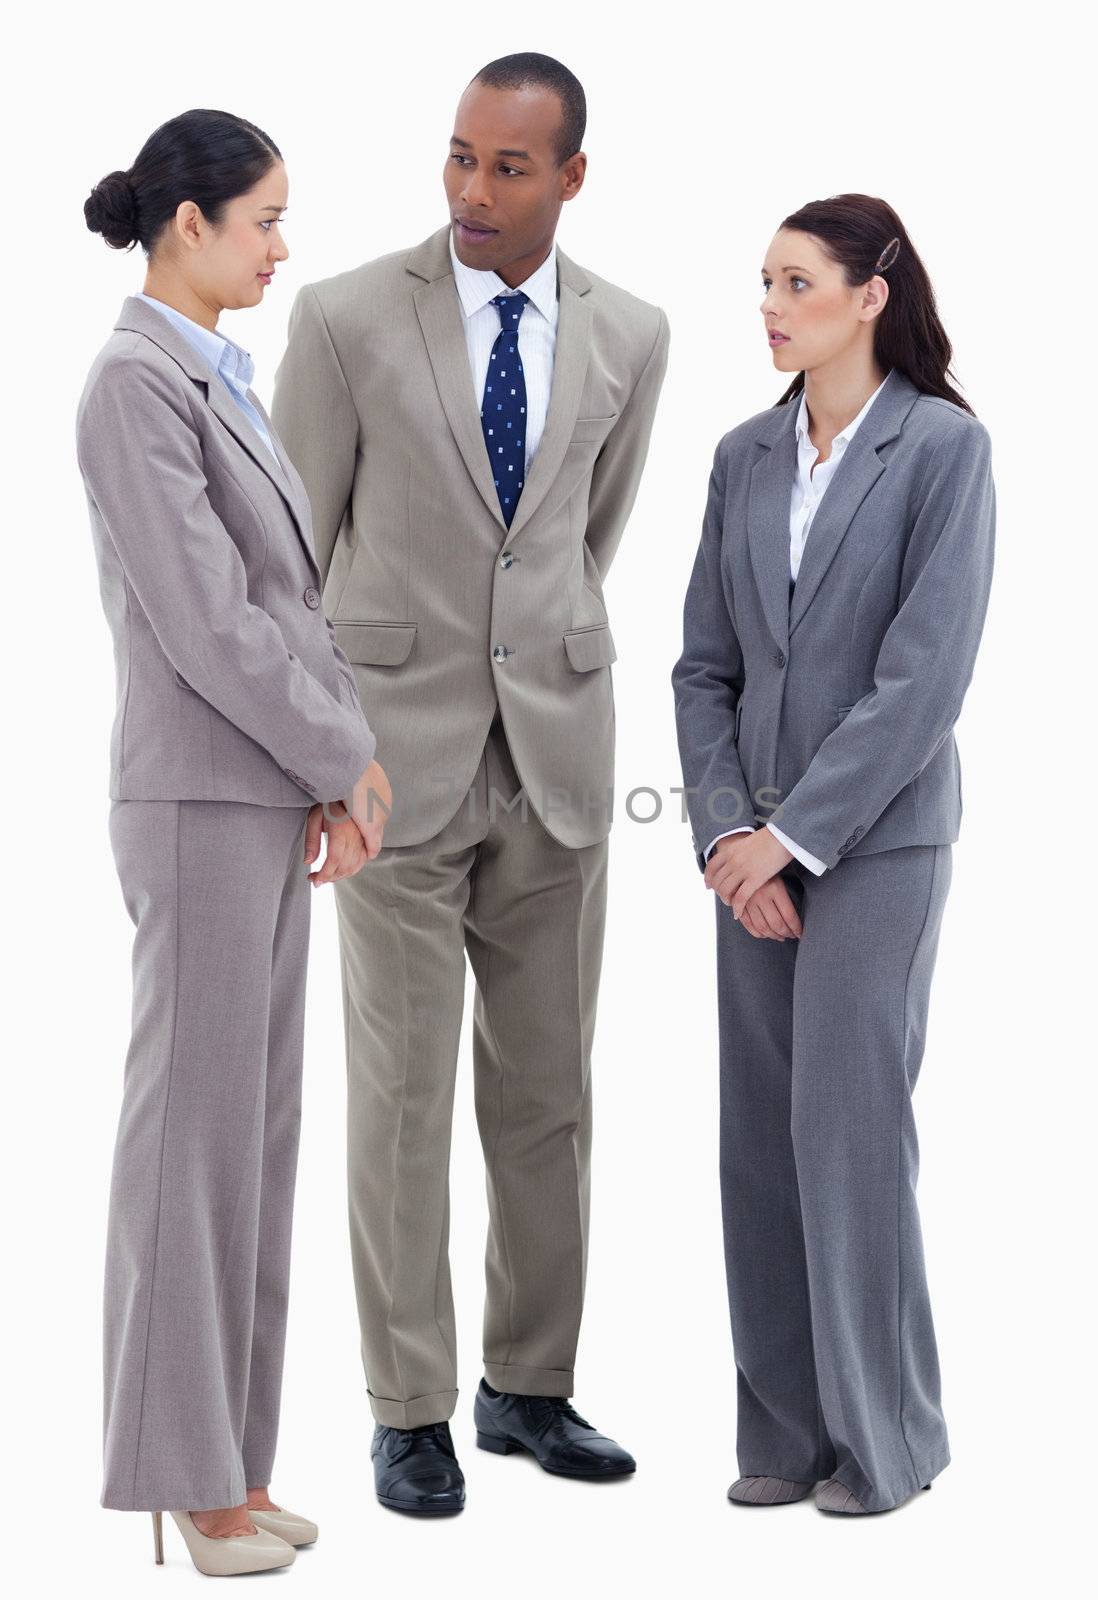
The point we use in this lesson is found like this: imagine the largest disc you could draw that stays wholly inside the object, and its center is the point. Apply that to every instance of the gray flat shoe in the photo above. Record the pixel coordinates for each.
(759, 1491)
(836, 1498)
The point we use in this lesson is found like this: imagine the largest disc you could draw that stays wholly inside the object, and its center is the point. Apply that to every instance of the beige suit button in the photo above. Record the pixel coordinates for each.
(312, 599)
(501, 652)
(506, 560)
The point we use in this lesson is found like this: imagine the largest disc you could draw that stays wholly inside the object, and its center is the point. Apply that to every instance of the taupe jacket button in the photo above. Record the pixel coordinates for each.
(506, 560)
(312, 599)
(500, 653)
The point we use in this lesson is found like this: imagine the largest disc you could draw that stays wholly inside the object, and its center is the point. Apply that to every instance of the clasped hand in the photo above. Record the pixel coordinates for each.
(742, 870)
(354, 836)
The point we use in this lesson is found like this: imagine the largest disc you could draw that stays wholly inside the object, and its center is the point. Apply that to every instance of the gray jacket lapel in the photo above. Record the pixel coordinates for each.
(772, 488)
(138, 317)
(768, 518)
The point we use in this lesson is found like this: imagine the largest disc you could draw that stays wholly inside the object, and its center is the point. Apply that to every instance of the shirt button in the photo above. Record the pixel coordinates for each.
(312, 599)
(506, 560)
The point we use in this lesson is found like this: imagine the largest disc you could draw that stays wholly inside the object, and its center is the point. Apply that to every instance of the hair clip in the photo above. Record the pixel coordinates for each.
(887, 255)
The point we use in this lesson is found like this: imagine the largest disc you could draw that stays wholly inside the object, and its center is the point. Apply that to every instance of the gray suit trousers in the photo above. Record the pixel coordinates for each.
(821, 1044)
(198, 1246)
(530, 913)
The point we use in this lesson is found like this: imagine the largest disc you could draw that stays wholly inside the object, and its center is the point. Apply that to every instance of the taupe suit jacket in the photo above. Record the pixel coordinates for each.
(375, 403)
(230, 683)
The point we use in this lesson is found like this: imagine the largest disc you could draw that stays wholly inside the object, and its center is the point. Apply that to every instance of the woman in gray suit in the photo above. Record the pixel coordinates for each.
(830, 632)
(238, 741)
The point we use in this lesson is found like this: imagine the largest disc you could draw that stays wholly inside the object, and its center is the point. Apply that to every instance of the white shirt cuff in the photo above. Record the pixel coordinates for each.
(724, 835)
(813, 863)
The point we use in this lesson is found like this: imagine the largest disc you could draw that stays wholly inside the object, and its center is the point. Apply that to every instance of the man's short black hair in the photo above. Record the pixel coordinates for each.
(528, 69)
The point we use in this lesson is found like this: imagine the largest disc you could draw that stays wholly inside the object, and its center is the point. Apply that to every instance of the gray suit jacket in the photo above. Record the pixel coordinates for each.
(832, 714)
(230, 683)
(375, 403)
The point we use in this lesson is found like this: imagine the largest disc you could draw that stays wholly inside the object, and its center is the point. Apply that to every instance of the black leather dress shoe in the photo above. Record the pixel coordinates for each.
(556, 1436)
(416, 1470)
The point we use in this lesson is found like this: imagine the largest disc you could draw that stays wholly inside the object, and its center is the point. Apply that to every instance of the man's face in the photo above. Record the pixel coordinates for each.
(503, 185)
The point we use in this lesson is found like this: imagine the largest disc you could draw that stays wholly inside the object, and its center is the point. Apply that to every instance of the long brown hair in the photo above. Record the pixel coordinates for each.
(908, 334)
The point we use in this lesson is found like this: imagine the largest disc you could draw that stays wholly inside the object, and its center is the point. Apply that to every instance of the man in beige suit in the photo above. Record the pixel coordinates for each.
(471, 419)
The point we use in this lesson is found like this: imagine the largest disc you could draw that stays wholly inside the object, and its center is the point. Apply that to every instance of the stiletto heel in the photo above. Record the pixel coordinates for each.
(217, 1558)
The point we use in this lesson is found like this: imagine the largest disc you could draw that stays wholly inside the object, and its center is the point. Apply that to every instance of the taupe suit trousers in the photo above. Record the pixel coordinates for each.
(530, 912)
(198, 1241)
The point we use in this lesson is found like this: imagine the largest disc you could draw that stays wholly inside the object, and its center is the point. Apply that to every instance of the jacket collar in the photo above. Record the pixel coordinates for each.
(431, 259)
(476, 288)
(137, 316)
(771, 488)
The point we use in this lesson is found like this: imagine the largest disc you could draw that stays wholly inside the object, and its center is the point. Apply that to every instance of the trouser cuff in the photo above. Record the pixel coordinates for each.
(555, 1381)
(417, 1413)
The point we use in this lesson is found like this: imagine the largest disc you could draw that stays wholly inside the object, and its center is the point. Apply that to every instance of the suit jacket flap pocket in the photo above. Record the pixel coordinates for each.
(590, 430)
(375, 644)
(590, 647)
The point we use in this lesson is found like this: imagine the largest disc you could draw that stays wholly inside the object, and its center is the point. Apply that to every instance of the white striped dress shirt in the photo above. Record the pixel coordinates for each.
(537, 333)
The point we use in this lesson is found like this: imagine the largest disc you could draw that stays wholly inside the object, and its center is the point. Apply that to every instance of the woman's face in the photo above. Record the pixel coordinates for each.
(230, 266)
(810, 313)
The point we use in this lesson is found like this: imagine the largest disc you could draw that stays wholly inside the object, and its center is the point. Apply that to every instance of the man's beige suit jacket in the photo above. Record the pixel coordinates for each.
(443, 611)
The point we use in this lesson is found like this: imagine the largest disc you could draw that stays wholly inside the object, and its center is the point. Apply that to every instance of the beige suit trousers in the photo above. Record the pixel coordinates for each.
(530, 913)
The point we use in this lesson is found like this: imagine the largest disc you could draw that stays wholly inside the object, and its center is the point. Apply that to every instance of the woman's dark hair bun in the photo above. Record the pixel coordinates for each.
(111, 209)
(206, 156)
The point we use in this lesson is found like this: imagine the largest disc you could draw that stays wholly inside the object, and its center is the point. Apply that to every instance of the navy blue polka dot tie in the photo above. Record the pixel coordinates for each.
(503, 409)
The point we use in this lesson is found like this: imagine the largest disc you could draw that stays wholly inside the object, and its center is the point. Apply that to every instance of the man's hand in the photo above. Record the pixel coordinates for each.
(741, 863)
(346, 846)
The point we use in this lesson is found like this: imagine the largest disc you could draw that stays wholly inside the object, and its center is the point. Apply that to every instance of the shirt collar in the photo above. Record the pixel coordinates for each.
(230, 360)
(476, 287)
(843, 438)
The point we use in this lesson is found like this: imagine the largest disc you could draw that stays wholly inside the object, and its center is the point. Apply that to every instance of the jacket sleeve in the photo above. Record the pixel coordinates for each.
(617, 472)
(708, 680)
(141, 459)
(925, 662)
(348, 688)
(317, 421)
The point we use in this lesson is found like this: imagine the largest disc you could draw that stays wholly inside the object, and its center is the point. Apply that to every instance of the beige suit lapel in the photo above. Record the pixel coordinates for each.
(439, 310)
(570, 362)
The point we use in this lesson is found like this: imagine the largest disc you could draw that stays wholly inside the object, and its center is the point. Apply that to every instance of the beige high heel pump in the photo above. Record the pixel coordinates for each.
(288, 1525)
(224, 1558)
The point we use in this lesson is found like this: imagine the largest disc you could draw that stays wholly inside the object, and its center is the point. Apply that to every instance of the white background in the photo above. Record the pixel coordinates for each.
(706, 127)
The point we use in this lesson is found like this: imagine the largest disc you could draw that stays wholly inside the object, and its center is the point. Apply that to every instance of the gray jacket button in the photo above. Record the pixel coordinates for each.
(312, 599)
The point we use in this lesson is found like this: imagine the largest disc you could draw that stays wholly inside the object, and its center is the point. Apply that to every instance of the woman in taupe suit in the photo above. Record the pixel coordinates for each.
(238, 741)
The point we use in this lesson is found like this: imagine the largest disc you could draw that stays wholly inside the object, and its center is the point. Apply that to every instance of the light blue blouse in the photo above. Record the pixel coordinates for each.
(232, 364)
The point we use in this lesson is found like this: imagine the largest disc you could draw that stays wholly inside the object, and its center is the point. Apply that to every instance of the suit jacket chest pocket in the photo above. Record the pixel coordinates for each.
(592, 430)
